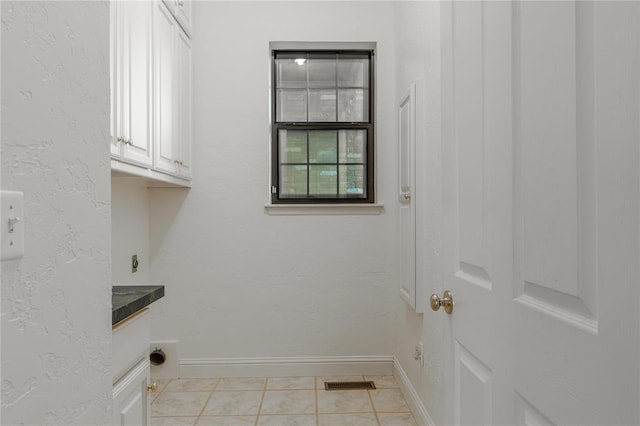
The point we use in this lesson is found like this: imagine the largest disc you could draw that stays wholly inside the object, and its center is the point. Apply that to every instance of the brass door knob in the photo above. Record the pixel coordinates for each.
(152, 387)
(446, 301)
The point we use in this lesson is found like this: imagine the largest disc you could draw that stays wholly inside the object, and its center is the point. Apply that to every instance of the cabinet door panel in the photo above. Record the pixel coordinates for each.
(406, 167)
(184, 104)
(165, 89)
(137, 90)
(133, 411)
(130, 397)
(115, 52)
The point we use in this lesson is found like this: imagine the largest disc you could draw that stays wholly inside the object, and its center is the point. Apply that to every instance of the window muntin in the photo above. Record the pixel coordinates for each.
(322, 163)
(322, 126)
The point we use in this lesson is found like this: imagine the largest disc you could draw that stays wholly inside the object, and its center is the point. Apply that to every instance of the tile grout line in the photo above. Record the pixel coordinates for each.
(315, 388)
(264, 391)
(265, 388)
(207, 402)
(157, 396)
(373, 407)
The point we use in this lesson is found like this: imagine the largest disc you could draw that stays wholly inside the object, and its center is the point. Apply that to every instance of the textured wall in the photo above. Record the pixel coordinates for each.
(130, 230)
(56, 301)
(241, 283)
(418, 61)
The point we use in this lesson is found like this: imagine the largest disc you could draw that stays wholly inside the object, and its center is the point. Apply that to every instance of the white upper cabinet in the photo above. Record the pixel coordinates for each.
(131, 90)
(151, 91)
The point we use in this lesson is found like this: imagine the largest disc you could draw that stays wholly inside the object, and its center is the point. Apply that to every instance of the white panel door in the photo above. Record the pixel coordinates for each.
(406, 167)
(541, 211)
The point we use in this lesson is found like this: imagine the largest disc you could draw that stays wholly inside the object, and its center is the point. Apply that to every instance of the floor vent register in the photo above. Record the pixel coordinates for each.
(329, 386)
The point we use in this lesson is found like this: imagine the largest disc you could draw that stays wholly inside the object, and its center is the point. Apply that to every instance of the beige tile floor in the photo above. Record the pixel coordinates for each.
(278, 401)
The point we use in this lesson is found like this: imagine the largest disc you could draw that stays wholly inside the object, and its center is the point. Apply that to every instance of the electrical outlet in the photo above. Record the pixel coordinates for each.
(134, 263)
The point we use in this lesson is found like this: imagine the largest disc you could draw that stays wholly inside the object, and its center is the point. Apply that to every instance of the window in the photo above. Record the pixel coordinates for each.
(322, 126)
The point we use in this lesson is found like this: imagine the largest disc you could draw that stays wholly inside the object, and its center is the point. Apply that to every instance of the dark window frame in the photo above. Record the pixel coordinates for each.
(369, 126)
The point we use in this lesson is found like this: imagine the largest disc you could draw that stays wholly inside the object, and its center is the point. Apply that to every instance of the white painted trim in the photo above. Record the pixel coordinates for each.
(286, 366)
(323, 209)
(150, 177)
(131, 376)
(328, 45)
(416, 405)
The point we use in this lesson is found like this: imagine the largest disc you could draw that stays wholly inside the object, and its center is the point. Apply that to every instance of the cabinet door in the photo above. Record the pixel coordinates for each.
(183, 15)
(184, 104)
(130, 397)
(115, 51)
(165, 33)
(406, 167)
(137, 83)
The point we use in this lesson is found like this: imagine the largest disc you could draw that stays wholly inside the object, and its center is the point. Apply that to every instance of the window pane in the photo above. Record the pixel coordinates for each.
(322, 70)
(322, 118)
(322, 105)
(352, 146)
(323, 147)
(293, 181)
(292, 105)
(291, 70)
(353, 72)
(323, 180)
(352, 181)
(293, 146)
(353, 105)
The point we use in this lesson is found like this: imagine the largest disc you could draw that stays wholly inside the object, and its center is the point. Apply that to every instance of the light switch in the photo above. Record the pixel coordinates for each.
(12, 206)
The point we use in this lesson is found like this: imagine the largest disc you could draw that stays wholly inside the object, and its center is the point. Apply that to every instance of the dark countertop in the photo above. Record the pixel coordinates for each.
(128, 299)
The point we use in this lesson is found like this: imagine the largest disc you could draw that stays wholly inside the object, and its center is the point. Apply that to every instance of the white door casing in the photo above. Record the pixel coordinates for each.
(540, 226)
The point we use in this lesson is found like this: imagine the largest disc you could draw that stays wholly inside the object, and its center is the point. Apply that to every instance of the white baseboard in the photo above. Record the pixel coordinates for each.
(418, 409)
(294, 366)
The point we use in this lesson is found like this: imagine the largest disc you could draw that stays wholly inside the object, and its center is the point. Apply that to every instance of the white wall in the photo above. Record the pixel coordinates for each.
(130, 230)
(56, 301)
(241, 283)
(418, 61)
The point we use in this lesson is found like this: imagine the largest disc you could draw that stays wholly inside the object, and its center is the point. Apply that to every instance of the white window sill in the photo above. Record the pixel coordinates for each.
(323, 209)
